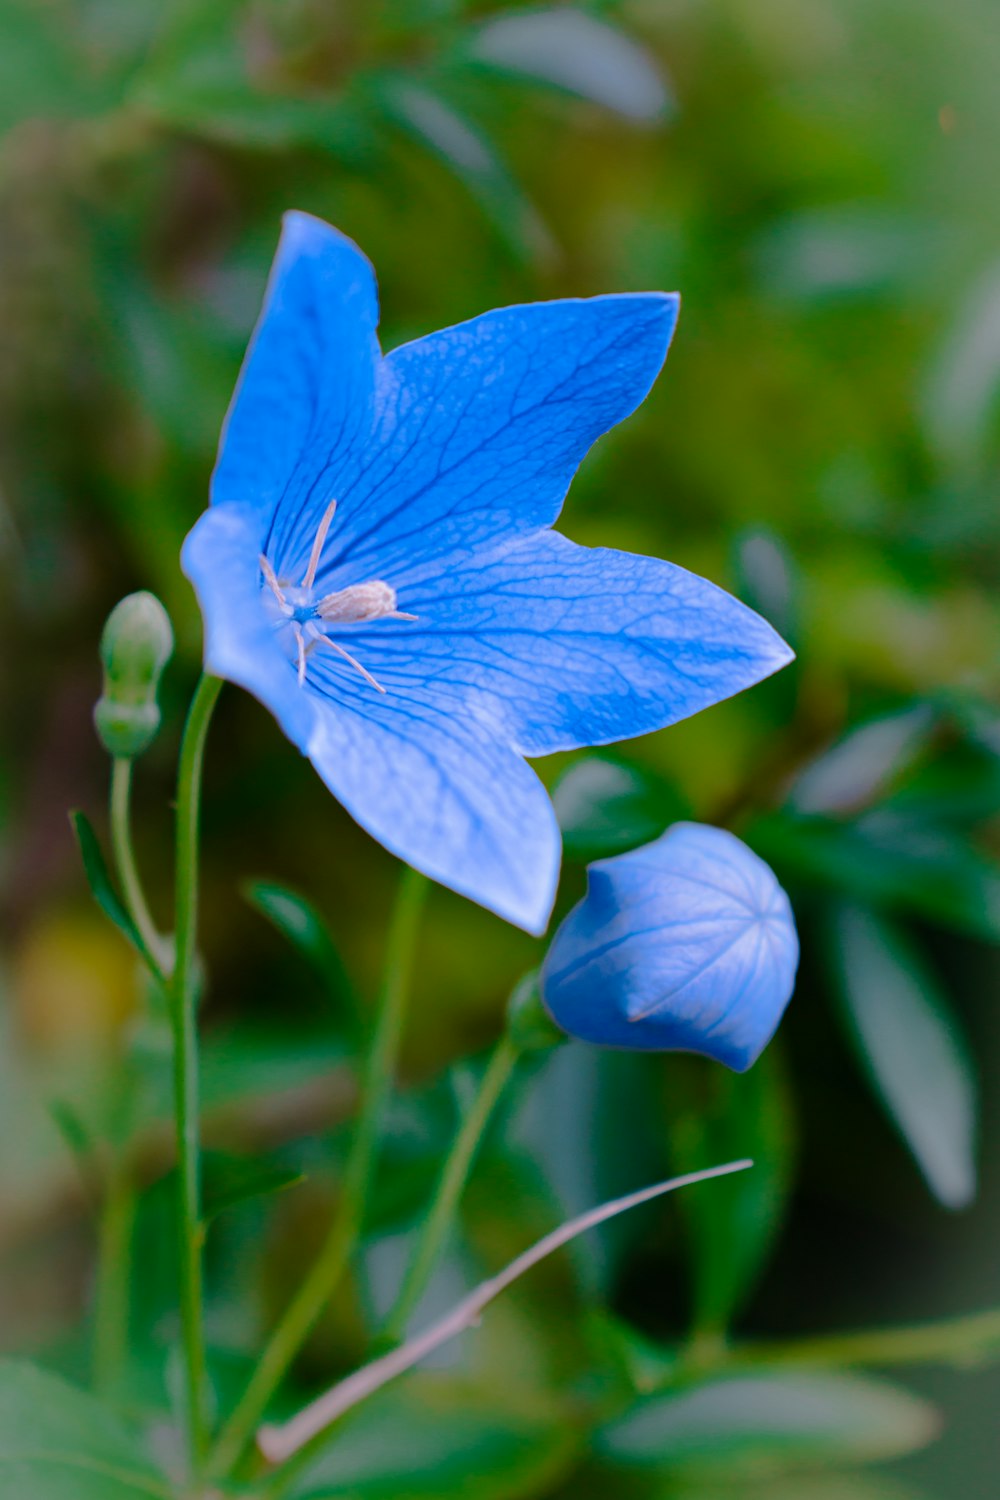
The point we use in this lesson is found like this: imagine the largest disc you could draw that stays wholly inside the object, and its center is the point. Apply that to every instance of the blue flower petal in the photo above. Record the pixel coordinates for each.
(444, 792)
(305, 398)
(478, 433)
(220, 556)
(687, 944)
(446, 459)
(578, 646)
(430, 776)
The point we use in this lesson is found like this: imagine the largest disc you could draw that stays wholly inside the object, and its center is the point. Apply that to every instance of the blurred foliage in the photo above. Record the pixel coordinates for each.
(814, 176)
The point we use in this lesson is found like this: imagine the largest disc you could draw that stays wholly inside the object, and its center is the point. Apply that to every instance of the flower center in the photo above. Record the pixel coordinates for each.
(296, 607)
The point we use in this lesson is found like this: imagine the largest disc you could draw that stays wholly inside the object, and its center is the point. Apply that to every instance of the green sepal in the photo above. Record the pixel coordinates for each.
(529, 1025)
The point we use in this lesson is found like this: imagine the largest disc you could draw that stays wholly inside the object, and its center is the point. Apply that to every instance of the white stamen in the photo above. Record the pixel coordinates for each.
(324, 640)
(355, 605)
(272, 581)
(361, 602)
(317, 546)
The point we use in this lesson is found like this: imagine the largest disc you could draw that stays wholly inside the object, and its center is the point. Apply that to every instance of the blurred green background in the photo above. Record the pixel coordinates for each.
(817, 178)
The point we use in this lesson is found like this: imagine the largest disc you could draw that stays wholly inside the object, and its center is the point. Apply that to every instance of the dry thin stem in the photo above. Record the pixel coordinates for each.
(278, 1444)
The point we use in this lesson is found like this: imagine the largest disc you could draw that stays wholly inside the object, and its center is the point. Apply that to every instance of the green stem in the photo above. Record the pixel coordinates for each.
(118, 1204)
(451, 1185)
(183, 1007)
(121, 843)
(315, 1292)
(948, 1341)
(111, 1297)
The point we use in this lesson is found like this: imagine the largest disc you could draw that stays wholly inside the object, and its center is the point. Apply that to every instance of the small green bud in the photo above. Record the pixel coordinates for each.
(529, 1025)
(136, 645)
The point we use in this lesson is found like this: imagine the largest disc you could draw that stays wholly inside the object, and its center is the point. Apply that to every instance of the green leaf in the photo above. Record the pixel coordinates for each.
(433, 1439)
(715, 1115)
(228, 1180)
(471, 156)
(73, 1129)
(860, 768)
(833, 253)
(960, 787)
(746, 1424)
(248, 1064)
(963, 389)
(57, 1443)
(645, 1364)
(913, 1049)
(767, 579)
(39, 74)
(418, 1129)
(605, 805)
(576, 52)
(889, 859)
(240, 1068)
(308, 934)
(807, 1487)
(79, 1141)
(226, 71)
(99, 879)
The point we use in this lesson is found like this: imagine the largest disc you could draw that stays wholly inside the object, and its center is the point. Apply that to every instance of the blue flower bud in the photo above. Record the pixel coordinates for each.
(686, 944)
(136, 645)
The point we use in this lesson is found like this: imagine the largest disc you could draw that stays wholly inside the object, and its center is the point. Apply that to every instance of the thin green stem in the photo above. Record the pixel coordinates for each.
(947, 1341)
(315, 1292)
(111, 1296)
(183, 1007)
(451, 1185)
(121, 843)
(117, 1202)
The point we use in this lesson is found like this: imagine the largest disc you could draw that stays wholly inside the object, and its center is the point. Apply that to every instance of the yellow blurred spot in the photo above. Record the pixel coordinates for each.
(74, 982)
(882, 629)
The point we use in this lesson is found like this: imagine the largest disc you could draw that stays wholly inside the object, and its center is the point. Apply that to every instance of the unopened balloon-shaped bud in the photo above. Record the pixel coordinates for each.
(686, 944)
(136, 645)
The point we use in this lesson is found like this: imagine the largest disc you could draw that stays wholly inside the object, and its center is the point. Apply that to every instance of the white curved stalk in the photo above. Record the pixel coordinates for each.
(278, 1444)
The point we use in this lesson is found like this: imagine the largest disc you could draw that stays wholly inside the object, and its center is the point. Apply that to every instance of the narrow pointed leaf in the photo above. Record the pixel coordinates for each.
(605, 805)
(739, 1424)
(99, 879)
(230, 1180)
(862, 766)
(473, 159)
(578, 53)
(892, 858)
(913, 1049)
(80, 1143)
(298, 921)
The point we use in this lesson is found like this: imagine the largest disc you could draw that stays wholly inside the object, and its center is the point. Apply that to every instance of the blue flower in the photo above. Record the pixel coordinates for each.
(686, 944)
(377, 565)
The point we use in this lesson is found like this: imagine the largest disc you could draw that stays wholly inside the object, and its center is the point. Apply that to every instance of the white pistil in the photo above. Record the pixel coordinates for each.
(300, 646)
(357, 604)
